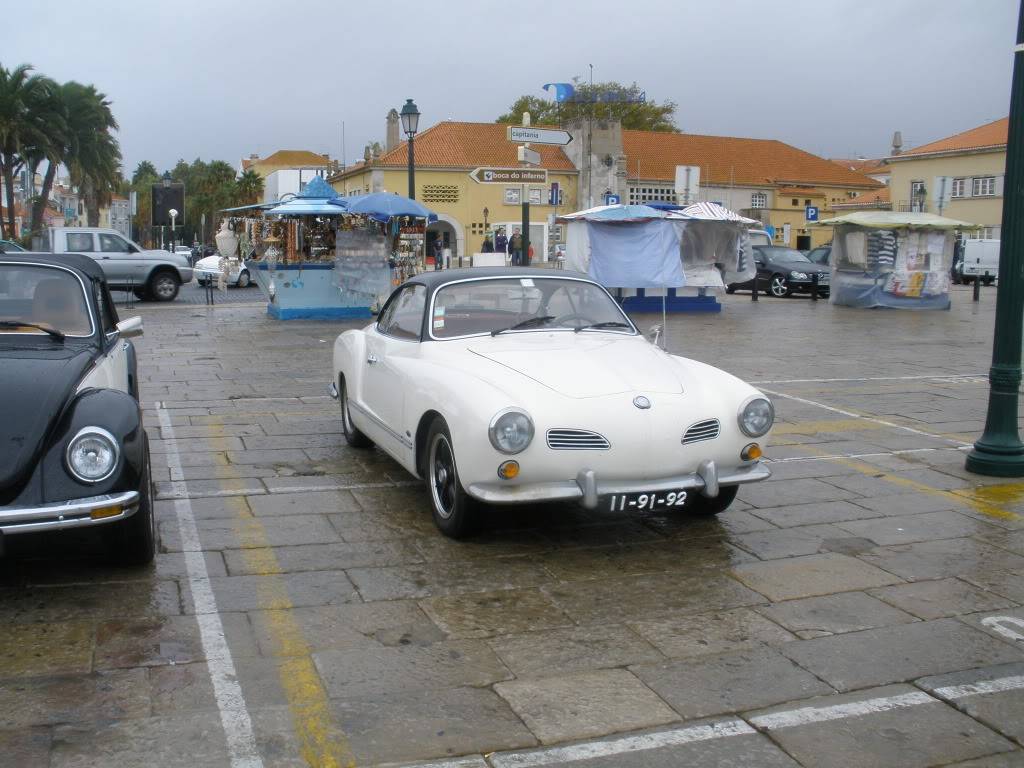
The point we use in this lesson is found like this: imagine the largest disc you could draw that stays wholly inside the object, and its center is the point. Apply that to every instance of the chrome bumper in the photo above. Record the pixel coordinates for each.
(67, 514)
(587, 487)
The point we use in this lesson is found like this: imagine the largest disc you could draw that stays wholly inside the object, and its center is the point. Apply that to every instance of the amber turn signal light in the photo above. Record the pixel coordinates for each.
(751, 452)
(508, 470)
(100, 512)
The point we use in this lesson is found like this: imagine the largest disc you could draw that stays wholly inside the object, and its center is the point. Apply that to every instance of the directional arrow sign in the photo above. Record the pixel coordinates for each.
(509, 175)
(538, 135)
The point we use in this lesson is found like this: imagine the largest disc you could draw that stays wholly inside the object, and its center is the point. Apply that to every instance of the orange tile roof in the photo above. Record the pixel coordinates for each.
(468, 145)
(727, 159)
(871, 198)
(991, 135)
(861, 165)
(289, 158)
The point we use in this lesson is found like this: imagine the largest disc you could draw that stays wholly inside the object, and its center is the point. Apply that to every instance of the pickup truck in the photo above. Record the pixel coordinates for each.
(154, 275)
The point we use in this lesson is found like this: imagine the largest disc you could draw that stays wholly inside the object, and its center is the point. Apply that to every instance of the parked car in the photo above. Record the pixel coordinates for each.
(820, 255)
(75, 454)
(201, 252)
(150, 274)
(980, 261)
(207, 270)
(184, 250)
(569, 401)
(8, 246)
(783, 271)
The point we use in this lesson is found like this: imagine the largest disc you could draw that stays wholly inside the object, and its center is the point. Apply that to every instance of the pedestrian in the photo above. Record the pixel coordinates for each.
(438, 253)
(488, 246)
(529, 255)
(500, 242)
(515, 247)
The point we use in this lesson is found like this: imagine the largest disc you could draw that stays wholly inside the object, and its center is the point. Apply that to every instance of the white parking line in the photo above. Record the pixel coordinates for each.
(878, 454)
(733, 726)
(234, 716)
(853, 415)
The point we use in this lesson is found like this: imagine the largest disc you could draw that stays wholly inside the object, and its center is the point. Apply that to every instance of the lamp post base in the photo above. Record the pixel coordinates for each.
(1004, 461)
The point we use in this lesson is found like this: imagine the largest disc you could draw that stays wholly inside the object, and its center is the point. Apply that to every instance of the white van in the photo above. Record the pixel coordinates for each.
(981, 257)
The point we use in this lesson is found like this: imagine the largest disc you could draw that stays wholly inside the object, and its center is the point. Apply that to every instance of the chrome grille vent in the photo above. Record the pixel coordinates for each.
(702, 430)
(576, 440)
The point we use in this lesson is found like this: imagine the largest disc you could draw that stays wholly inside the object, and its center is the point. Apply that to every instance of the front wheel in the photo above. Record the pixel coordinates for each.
(730, 289)
(163, 286)
(779, 287)
(353, 436)
(132, 542)
(243, 279)
(454, 510)
(699, 504)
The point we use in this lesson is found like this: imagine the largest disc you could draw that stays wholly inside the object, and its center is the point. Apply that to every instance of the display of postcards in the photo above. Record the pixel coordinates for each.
(905, 284)
(936, 283)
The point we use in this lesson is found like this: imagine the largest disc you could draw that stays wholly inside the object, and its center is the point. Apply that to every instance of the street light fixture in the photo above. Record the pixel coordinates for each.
(173, 212)
(486, 214)
(410, 125)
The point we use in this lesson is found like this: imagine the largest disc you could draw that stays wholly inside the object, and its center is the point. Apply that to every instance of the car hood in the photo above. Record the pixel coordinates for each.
(586, 364)
(177, 259)
(210, 262)
(798, 266)
(34, 385)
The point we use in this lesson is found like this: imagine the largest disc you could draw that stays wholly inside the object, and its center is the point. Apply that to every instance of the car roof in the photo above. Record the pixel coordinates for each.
(76, 261)
(435, 280)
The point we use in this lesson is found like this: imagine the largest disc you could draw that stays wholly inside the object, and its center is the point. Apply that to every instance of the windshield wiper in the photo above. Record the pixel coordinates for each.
(527, 323)
(41, 326)
(605, 324)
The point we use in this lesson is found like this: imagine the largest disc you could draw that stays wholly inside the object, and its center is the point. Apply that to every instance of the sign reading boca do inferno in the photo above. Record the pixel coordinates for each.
(509, 175)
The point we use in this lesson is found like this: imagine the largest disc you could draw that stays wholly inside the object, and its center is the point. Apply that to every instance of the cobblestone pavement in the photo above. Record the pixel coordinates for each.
(861, 608)
(193, 293)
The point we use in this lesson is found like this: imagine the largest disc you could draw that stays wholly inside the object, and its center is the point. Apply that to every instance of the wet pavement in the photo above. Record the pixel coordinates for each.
(861, 608)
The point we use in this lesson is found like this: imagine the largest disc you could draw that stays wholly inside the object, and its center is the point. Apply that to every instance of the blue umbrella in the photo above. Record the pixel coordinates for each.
(382, 204)
(300, 206)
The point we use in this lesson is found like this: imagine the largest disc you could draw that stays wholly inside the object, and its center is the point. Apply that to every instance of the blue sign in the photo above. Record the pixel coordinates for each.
(811, 212)
(770, 230)
(555, 194)
(610, 199)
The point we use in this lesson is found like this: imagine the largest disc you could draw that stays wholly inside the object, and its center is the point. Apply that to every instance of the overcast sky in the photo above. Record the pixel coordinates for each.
(219, 79)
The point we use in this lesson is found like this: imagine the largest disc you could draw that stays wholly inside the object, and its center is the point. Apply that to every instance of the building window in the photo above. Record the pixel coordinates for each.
(641, 195)
(512, 196)
(759, 200)
(807, 202)
(959, 187)
(795, 201)
(983, 185)
(440, 193)
(535, 195)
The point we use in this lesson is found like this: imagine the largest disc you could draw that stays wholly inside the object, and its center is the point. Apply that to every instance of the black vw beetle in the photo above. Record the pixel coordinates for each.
(73, 451)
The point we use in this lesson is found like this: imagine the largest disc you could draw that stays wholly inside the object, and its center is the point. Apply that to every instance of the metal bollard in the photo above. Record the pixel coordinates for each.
(814, 287)
(977, 287)
(753, 292)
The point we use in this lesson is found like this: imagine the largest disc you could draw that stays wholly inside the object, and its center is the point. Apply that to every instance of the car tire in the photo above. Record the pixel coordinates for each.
(454, 510)
(132, 542)
(140, 294)
(699, 504)
(243, 279)
(353, 436)
(779, 287)
(163, 286)
(730, 289)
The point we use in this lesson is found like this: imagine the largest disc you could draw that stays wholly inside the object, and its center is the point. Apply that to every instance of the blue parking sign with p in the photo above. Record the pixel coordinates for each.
(811, 213)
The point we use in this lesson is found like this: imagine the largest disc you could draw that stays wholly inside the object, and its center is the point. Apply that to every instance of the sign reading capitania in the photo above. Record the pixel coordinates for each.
(509, 175)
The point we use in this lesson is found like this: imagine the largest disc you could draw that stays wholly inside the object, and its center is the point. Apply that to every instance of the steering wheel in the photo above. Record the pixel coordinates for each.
(573, 316)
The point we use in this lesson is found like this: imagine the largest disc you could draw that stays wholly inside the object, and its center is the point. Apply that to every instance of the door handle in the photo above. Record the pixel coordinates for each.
(371, 359)
(105, 258)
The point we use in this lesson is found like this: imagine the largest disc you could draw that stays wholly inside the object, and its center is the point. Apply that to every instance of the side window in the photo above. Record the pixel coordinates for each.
(80, 242)
(113, 244)
(107, 319)
(403, 317)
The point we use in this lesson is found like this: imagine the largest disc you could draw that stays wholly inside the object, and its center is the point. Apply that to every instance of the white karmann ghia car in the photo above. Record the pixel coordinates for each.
(517, 386)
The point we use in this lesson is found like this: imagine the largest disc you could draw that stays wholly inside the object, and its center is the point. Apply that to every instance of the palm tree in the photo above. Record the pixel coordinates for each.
(20, 92)
(249, 187)
(92, 156)
(144, 170)
(50, 112)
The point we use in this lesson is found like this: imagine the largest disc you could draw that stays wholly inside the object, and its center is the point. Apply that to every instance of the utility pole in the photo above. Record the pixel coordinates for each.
(524, 255)
(1000, 451)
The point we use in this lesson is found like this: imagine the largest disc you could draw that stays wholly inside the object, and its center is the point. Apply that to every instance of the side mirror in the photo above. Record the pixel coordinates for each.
(654, 334)
(130, 327)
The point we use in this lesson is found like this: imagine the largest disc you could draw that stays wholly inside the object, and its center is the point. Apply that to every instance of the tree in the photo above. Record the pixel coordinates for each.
(20, 93)
(145, 169)
(249, 188)
(642, 116)
(93, 156)
(50, 145)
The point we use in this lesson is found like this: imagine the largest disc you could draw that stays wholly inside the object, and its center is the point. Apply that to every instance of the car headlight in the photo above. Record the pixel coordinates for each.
(92, 455)
(756, 416)
(798, 275)
(511, 431)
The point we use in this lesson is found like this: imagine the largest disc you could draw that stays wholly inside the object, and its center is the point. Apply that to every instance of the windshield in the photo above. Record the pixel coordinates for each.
(783, 254)
(45, 296)
(524, 304)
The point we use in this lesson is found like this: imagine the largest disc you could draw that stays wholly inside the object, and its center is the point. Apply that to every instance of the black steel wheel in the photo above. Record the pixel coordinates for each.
(133, 541)
(163, 286)
(243, 279)
(454, 510)
(699, 504)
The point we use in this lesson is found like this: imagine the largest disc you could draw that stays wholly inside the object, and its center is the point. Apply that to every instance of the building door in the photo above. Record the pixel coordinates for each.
(803, 242)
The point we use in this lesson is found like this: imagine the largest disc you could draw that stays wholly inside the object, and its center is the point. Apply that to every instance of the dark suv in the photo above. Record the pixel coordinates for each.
(782, 271)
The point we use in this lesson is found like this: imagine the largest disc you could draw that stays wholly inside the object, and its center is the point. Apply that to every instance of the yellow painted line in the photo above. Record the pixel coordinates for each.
(815, 427)
(322, 744)
(985, 499)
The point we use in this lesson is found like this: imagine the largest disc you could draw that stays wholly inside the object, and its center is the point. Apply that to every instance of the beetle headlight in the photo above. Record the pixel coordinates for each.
(756, 416)
(92, 455)
(511, 431)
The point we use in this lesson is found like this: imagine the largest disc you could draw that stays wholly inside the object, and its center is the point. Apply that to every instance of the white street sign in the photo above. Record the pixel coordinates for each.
(527, 155)
(538, 135)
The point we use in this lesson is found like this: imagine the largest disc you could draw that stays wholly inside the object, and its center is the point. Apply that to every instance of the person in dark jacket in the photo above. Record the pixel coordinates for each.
(500, 242)
(438, 253)
(515, 248)
(488, 246)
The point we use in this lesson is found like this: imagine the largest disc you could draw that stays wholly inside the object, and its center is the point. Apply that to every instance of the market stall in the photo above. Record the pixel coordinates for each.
(648, 255)
(320, 256)
(892, 259)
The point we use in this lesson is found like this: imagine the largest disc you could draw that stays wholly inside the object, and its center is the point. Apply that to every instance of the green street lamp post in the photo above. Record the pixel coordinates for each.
(410, 124)
(999, 451)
